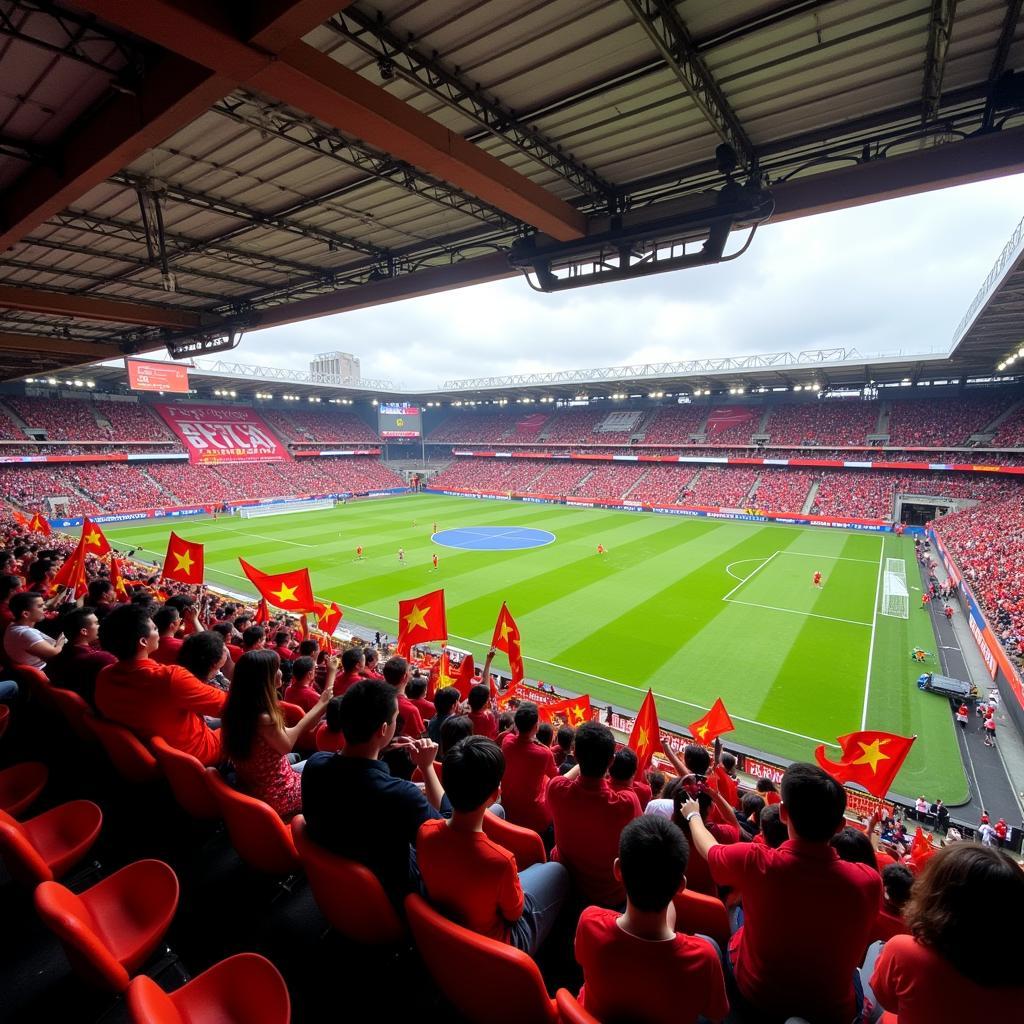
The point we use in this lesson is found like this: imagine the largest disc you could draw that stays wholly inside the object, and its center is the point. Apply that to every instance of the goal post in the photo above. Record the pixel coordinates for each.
(284, 507)
(895, 596)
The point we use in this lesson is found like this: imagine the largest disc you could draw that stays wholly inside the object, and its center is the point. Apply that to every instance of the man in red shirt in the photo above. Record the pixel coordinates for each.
(371, 667)
(398, 672)
(353, 662)
(416, 691)
(153, 699)
(281, 645)
(637, 966)
(254, 638)
(167, 621)
(471, 878)
(302, 690)
(807, 915)
(622, 775)
(528, 766)
(588, 816)
(485, 722)
(80, 662)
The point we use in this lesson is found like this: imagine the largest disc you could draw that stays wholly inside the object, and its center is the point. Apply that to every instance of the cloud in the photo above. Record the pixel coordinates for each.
(886, 278)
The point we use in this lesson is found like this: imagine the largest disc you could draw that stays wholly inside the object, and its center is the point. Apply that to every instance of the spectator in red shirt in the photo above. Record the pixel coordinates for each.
(397, 673)
(353, 662)
(9, 584)
(622, 775)
(282, 646)
(588, 816)
(153, 699)
(897, 881)
(485, 722)
(562, 751)
(636, 966)
(774, 831)
(416, 691)
(80, 662)
(528, 766)
(935, 973)
(371, 666)
(102, 597)
(205, 654)
(301, 691)
(471, 878)
(446, 701)
(768, 791)
(791, 897)
(717, 817)
(254, 638)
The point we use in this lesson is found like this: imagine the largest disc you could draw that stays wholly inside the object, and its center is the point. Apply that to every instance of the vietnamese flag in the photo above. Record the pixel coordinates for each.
(291, 591)
(96, 542)
(507, 639)
(574, 711)
(20, 518)
(440, 675)
(327, 616)
(645, 739)
(509, 694)
(707, 729)
(465, 677)
(71, 575)
(727, 786)
(39, 524)
(262, 616)
(183, 562)
(921, 849)
(421, 620)
(117, 578)
(869, 758)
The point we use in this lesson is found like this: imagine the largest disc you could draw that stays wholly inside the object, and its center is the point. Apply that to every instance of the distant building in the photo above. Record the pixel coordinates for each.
(336, 364)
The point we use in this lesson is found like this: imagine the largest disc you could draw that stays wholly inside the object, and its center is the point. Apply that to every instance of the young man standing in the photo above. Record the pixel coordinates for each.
(474, 880)
(528, 766)
(792, 898)
(353, 664)
(352, 803)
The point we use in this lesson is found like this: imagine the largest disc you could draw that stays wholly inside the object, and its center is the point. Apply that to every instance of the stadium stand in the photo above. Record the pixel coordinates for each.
(931, 424)
(609, 480)
(823, 422)
(134, 421)
(726, 486)
(674, 424)
(336, 426)
(67, 420)
(783, 490)
(1010, 433)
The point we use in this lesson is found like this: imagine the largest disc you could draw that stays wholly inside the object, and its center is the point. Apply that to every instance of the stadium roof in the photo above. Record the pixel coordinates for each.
(168, 173)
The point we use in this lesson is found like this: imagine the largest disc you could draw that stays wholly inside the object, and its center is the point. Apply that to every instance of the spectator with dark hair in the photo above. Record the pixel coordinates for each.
(545, 734)
(78, 664)
(854, 847)
(351, 802)
(562, 750)
(353, 663)
(717, 817)
(446, 700)
(656, 780)
(204, 654)
(485, 722)
(254, 638)
(302, 690)
(768, 791)
(397, 673)
(167, 621)
(622, 775)
(528, 766)
(897, 883)
(790, 895)
(24, 644)
(454, 729)
(101, 597)
(416, 691)
(636, 966)
(256, 738)
(153, 699)
(936, 973)
(588, 816)
(774, 831)
(473, 879)
(282, 646)
(749, 817)
(9, 584)
(371, 667)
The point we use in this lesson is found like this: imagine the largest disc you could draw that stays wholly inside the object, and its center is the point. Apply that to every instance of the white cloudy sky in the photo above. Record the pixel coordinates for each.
(890, 277)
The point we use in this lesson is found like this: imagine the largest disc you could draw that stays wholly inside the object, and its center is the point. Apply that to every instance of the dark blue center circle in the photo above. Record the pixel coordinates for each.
(493, 538)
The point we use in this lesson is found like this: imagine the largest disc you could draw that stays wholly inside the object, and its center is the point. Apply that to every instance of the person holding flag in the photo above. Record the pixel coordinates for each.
(96, 542)
(183, 562)
(508, 640)
(421, 620)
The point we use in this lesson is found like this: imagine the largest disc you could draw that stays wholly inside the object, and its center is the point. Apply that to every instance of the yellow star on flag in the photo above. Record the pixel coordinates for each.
(702, 731)
(577, 714)
(642, 740)
(325, 618)
(93, 540)
(416, 618)
(184, 562)
(505, 629)
(871, 754)
(286, 593)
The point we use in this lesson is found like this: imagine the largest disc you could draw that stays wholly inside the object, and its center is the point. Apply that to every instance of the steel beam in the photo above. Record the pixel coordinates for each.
(57, 304)
(43, 346)
(1005, 41)
(311, 81)
(940, 32)
(670, 36)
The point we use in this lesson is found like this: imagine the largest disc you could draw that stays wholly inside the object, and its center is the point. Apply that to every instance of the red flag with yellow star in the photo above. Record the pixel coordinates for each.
(707, 729)
(262, 616)
(117, 579)
(20, 518)
(921, 850)
(96, 542)
(869, 758)
(574, 711)
(71, 575)
(291, 591)
(645, 739)
(39, 524)
(506, 638)
(183, 562)
(421, 620)
(327, 616)
(465, 678)
(511, 692)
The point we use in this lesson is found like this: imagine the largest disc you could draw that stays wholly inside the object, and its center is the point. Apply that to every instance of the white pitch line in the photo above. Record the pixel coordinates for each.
(739, 561)
(871, 645)
(796, 611)
(834, 558)
(751, 576)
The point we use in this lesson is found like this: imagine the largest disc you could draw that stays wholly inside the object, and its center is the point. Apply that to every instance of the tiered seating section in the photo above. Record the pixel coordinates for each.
(337, 426)
(823, 422)
(930, 424)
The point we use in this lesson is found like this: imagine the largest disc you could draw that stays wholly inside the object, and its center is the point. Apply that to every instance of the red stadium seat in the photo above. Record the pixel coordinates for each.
(707, 915)
(244, 989)
(487, 981)
(21, 784)
(45, 847)
(128, 754)
(526, 844)
(347, 893)
(187, 778)
(324, 739)
(5, 718)
(75, 711)
(257, 833)
(570, 1011)
(110, 930)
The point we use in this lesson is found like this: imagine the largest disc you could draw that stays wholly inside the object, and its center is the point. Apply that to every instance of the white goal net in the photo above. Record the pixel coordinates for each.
(284, 507)
(895, 597)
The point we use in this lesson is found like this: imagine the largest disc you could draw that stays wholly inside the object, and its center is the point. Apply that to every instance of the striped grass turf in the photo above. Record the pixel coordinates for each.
(693, 608)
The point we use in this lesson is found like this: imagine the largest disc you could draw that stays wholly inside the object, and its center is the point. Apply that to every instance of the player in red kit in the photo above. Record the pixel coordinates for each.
(817, 580)
(434, 559)
(359, 551)
(600, 549)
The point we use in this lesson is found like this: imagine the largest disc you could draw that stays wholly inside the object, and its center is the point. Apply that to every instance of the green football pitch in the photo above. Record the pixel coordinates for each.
(693, 608)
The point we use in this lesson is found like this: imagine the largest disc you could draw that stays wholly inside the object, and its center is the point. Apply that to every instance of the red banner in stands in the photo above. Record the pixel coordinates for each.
(220, 433)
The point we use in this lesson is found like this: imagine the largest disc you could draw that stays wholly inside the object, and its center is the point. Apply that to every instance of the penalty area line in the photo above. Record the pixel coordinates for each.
(751, 576)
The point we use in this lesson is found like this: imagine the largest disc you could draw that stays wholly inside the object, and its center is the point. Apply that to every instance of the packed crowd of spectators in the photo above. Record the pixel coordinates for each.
(116, 485)
(30, 486)
(783, 490)
(662, 483)
(133, 421)
(472, 427)
(337, 426)
(936, 422)
(823, 422)
(610, 480)
(726, 486)
(1010, 433)
(66, 420)
(576, 426)
(739, 432)
(499, 475)
(674, 424)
